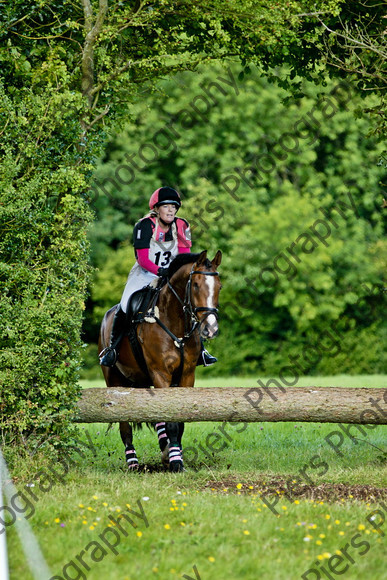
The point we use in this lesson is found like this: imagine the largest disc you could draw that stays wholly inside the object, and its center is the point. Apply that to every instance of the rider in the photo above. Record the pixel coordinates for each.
(157, 238)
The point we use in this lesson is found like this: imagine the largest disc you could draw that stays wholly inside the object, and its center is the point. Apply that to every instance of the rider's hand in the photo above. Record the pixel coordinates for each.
(162, 272)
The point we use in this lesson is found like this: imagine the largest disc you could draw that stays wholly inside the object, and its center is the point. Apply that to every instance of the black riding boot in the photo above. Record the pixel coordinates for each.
(205, 358)
(108, 356)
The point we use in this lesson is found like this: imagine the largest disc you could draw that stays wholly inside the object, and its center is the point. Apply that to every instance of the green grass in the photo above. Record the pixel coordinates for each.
(242, 536)
(214, 516)
(336, 381)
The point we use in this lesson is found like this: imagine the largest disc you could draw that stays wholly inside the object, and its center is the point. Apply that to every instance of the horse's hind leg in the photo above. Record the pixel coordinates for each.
(126, 432)
(175, 458)
(180, 436)
(181, 431)
(163, 442)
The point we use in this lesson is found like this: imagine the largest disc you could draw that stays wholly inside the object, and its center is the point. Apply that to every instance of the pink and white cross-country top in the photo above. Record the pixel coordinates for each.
(154, 249)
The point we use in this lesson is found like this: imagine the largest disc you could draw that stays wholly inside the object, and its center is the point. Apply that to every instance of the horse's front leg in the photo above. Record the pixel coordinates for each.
(161, 376)
(175, 457)
(126, 433)
(163, 441)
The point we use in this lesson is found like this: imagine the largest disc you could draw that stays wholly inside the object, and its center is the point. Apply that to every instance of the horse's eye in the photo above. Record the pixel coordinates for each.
(196, 286)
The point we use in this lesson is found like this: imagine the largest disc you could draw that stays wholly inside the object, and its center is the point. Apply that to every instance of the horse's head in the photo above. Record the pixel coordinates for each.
(203, 293)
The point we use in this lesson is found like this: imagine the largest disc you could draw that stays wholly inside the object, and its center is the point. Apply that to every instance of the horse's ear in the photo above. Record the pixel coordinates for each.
(202, 258)
(217, 259)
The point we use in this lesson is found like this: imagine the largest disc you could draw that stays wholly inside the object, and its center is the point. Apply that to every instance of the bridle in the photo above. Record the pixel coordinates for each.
(190, 311)
(191, 319)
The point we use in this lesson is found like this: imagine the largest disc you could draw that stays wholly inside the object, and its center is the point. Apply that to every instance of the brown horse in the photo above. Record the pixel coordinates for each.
(186, 311)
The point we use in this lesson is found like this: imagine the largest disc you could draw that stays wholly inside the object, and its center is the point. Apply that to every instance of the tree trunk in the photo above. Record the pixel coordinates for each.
(299, 404)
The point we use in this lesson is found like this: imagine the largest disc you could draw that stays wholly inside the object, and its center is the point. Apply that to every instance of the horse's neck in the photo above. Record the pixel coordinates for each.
(170, 309)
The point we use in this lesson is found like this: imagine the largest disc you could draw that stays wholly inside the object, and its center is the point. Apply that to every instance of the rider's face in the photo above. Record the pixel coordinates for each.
(167, 212)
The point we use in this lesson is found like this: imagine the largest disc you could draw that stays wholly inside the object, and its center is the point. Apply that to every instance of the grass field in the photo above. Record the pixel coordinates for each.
(269, 503)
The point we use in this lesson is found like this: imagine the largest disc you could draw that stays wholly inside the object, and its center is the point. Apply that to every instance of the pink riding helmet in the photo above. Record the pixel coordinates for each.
(164, 195)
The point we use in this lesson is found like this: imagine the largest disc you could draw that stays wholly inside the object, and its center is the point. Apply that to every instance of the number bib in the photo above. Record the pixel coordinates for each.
(161, 252)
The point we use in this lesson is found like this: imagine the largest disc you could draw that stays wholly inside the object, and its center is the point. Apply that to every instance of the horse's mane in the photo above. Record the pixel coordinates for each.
(182, 260)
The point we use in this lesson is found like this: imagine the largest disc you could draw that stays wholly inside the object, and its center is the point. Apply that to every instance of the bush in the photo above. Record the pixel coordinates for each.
(44, 273)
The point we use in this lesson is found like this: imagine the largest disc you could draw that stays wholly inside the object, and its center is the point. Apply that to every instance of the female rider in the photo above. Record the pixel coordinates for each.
(157, 238)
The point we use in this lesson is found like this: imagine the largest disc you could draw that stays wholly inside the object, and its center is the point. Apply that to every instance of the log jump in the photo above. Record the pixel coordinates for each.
(234, 404)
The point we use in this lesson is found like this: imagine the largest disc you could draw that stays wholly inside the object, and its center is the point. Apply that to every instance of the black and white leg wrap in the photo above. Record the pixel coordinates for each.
(162, 435)
(131, 457)
(175, 456)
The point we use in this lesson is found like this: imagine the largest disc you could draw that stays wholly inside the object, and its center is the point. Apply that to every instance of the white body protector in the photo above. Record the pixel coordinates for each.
(161, 253)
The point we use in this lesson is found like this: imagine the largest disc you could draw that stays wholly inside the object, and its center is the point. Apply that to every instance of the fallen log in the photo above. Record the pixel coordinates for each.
(297, 404)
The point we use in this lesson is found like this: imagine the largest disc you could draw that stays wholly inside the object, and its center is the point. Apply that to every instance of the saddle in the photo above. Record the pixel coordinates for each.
(139, 304)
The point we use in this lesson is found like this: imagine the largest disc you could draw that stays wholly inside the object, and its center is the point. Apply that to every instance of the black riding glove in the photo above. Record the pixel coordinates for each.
(163, 272)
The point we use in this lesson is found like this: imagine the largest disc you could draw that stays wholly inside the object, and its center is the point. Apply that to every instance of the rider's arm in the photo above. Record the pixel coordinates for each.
(142, 235)
(145, 262)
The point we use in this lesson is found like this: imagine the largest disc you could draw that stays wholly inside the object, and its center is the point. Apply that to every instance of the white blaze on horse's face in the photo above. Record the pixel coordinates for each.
(210, 329)
(206, 288)
(205, 293)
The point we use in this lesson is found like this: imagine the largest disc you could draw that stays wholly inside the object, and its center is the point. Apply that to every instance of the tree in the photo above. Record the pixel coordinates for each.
(356, 45)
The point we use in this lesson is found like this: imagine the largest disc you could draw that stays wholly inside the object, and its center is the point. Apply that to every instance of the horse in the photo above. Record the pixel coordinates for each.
(185, 311)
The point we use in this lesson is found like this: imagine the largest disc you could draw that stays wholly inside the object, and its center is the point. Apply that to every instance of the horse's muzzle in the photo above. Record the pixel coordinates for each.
(209, 328)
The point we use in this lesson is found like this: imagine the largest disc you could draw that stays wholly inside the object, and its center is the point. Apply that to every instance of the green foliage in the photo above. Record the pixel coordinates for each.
(43, 276)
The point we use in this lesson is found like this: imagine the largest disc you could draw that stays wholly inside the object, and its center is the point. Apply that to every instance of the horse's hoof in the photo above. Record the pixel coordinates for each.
(133, 467)
(176, 466)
